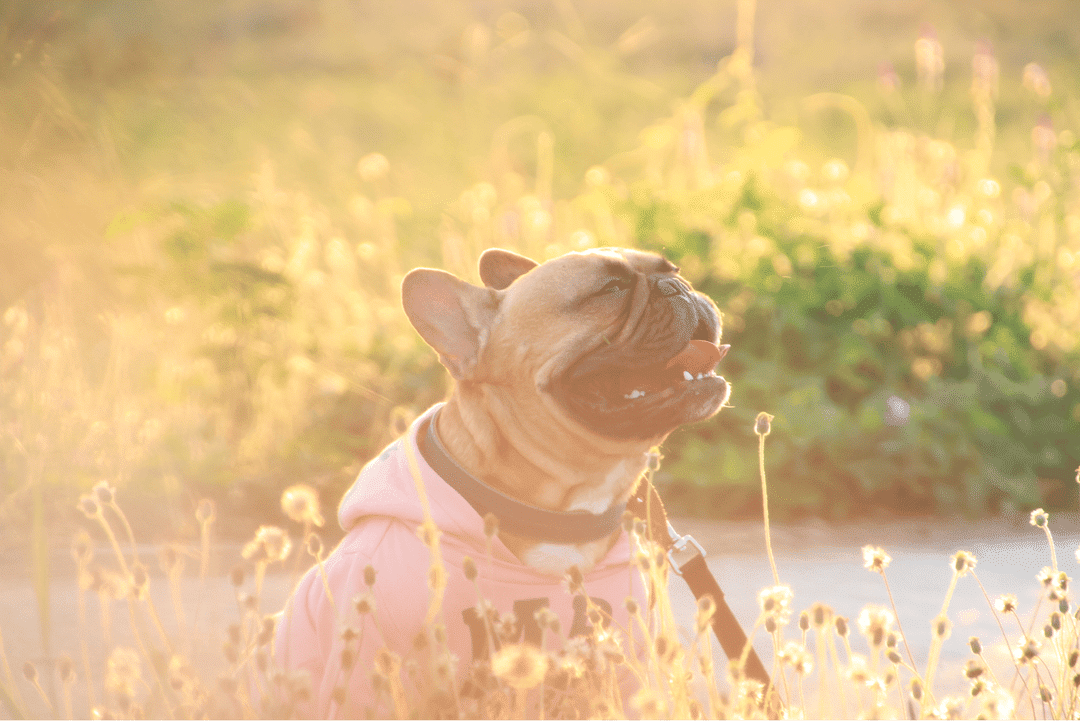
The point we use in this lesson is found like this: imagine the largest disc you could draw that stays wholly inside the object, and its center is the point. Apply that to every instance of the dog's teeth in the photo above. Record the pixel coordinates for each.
(700, 376)
(634, 394)
(687, 376)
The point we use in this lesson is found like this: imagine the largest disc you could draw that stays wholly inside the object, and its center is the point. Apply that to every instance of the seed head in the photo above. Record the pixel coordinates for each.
(236, 576)
(795, 655)
(763, 424)
(894, 656)
(1026, 650)
(1039, 518)
(369, 575)
(820, 614)
(205, 512)
(29, 671)
(962, 562)
(975, 644)
(804, 621)
(104, 493)
(301, 504)
(775, 603)
(631, 605)
(1045, 695)
(974, 668)
(521, 665)
(842, 629)
(1005, 603)
(628, 521)
(270, 544)
(875, 622)
(875, 558)
(546, 618)
(916, 689)
(1074, 656)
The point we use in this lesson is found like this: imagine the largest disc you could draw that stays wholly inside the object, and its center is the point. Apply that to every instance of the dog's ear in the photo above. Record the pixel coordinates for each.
(499, 268)
(452, 316)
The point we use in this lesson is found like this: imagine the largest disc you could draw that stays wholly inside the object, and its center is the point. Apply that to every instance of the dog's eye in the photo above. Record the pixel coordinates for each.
(615, 285)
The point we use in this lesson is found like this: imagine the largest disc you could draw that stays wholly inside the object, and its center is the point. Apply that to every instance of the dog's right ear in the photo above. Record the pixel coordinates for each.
(499, 268)
(452, 316)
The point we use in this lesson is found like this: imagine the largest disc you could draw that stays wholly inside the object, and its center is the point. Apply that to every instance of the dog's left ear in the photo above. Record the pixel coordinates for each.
(499, 268)
(452, 316)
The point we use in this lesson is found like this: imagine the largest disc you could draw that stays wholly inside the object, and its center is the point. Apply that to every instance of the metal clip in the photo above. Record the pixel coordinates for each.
(682, 545)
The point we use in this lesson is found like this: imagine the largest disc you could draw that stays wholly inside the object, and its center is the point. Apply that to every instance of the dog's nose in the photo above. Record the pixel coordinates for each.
(668, 286)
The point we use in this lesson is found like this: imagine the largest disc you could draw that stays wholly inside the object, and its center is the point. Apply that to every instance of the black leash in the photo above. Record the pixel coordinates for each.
(687, 559)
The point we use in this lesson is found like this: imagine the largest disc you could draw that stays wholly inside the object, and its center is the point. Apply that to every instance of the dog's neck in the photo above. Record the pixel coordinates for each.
(487, 441)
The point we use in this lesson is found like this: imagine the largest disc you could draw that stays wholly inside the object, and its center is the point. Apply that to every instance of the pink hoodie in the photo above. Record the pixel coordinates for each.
(381, 513)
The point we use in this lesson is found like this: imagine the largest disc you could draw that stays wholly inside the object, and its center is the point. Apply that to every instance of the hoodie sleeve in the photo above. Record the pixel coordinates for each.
(335, 642)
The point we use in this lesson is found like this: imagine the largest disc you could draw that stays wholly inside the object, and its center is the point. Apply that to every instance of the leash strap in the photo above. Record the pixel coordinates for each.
(687, 559)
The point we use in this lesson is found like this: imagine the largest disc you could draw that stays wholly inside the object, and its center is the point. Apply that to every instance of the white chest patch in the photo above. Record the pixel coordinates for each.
(597, 499)
(555, 559)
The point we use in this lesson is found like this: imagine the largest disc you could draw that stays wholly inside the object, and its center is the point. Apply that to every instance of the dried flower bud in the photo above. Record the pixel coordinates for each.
(468, 567)
(973, 668)
(1074, 656)
(916, 689)
(842, 626)
(65, 667)
(89, 506)
(82, 548)
(1039, 518)
(894, 656)
(491, 525)
(205, 512)
(314, 546)
(29, 671)
(804, 621)
(575, 579)
(369, 575)
(631, 606)
(364, 604)
(763, 424)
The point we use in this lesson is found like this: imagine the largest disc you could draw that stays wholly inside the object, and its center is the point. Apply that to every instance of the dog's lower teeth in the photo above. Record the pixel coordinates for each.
(634, 394)
(700, 376)
(687, 376)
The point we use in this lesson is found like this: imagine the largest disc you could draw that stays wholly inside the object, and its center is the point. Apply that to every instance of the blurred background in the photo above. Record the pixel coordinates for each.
(206, 210)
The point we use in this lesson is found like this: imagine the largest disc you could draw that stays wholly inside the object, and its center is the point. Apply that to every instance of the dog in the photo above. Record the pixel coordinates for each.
(566, 374)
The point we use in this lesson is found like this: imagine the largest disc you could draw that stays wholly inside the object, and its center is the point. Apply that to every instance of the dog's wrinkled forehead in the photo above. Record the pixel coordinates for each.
(574, 275)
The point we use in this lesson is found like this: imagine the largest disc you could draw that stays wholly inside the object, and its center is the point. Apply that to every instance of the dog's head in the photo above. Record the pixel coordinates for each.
(610, 343)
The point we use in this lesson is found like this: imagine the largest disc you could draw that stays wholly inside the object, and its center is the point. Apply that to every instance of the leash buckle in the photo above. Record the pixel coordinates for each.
(685, 547)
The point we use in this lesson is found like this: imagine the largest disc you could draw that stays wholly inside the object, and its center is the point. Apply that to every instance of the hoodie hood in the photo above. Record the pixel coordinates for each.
(386, 488)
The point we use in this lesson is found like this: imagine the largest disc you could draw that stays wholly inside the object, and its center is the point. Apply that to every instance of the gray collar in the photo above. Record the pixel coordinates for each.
(520, 519)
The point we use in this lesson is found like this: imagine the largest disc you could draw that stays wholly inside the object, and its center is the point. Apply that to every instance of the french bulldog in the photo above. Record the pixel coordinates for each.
(566, 375)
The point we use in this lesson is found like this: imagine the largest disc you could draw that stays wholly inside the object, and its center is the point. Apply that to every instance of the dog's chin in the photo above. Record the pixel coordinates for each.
(600, 402)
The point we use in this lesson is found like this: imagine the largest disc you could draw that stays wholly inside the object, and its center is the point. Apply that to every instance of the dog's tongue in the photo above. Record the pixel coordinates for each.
(699, 356)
